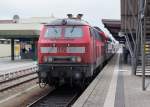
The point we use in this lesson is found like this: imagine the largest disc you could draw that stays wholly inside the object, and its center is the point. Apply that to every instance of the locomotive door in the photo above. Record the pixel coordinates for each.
(99, 49)
(93, 52)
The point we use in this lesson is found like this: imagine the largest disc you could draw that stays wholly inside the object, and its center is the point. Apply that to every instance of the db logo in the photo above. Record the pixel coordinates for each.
(61, 49)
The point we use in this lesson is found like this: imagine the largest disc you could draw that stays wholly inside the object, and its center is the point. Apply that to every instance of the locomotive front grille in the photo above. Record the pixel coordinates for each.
(62, 59)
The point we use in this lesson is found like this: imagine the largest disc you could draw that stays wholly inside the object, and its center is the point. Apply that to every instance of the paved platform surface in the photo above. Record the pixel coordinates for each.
(8, 66)
(115, 86)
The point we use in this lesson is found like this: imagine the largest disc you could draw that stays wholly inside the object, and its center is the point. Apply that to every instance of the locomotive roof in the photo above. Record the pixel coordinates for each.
(68, 21)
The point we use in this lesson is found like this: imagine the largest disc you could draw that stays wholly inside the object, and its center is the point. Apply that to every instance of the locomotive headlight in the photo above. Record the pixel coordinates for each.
(79, 59)
(45, 59)
(50, 59)
(73, 59)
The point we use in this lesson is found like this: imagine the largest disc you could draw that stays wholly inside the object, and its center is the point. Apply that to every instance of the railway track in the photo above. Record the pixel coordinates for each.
(63, 96)
(8, 81)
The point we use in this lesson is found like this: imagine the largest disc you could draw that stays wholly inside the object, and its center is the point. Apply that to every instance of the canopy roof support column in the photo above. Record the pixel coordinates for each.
(12, 50)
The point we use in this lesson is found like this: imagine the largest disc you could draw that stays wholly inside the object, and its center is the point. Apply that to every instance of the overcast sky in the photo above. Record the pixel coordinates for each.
(93, 10)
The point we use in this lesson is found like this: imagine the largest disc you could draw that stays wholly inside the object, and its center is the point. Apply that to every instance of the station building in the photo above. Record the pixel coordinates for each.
(22, 35)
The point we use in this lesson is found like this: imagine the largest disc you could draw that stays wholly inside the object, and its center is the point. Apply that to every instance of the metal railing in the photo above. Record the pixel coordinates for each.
(138, 54)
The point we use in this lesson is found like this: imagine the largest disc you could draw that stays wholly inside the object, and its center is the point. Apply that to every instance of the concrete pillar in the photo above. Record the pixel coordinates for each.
(133, 61)
(34, 46)
(12, 50)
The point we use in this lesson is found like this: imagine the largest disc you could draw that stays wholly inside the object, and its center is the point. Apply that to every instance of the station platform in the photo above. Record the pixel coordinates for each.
(115, 86)
(8, 66)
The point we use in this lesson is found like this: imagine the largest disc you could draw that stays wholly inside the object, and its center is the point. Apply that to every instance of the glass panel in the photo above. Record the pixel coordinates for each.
(53, 32)
(73, 32)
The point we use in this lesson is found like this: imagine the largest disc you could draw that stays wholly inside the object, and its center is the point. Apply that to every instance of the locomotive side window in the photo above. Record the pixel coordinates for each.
(92, 33)
(102, 38)
(73, 31)
(53, 32)
(98, 36)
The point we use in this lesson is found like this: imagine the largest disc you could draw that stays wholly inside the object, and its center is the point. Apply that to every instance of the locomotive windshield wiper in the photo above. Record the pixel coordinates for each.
(72, 29)
(55, 30)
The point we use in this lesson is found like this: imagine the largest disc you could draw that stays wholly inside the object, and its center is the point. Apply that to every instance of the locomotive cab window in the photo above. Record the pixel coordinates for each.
(73, 32)
(53, 32)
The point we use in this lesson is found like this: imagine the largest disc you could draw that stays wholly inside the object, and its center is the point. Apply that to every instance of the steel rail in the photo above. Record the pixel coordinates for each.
(17, 74)
(12, 85)
(5, 81)
(56, 98)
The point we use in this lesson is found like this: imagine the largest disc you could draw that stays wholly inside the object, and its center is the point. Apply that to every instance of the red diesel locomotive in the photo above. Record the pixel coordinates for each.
(70, 50)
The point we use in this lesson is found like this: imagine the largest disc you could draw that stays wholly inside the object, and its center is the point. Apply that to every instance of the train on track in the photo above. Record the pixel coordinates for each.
(71, 50)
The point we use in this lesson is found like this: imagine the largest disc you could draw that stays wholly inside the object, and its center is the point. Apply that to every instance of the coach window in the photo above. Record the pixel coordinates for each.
(109, 40)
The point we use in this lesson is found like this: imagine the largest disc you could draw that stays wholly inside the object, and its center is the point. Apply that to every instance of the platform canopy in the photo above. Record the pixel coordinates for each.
(20, 30)
(114, 27)
(24, 28)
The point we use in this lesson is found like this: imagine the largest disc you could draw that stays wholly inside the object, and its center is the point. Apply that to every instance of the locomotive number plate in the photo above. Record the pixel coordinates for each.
(61, 49)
